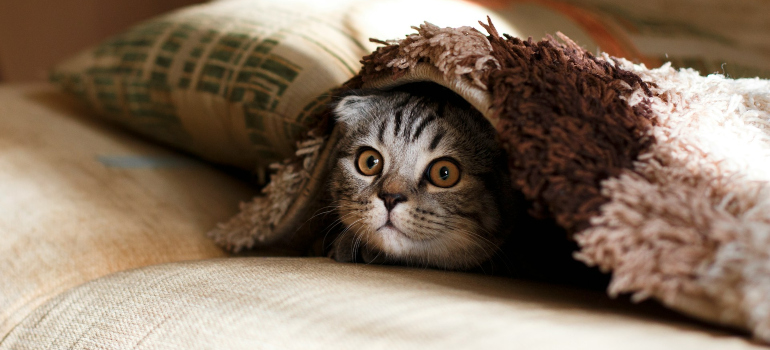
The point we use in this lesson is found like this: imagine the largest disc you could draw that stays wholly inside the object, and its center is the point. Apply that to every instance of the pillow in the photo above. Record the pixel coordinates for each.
(237, 82)
(232, 80)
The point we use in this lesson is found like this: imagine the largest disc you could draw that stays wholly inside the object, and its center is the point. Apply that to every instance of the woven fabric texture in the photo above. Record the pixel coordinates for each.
(81, 199)
(282, 303)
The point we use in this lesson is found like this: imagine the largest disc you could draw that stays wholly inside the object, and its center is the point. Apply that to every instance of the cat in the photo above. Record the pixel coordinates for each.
(420, 180)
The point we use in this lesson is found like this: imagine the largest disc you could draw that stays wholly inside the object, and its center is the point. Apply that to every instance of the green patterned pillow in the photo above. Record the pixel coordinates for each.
(232, 81)
(237, 81)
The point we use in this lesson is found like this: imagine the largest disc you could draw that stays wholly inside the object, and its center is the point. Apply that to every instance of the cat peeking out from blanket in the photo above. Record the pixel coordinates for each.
(418, 180)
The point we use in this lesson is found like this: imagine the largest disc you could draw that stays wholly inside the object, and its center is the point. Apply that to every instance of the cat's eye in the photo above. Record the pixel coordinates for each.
(444, 173)
(369, 162)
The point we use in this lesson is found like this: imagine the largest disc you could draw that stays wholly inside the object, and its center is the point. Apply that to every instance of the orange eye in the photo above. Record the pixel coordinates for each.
(369, 162)
(444, 173)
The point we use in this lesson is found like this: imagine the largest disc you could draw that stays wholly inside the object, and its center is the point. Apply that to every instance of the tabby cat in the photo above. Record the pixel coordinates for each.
(419, 180)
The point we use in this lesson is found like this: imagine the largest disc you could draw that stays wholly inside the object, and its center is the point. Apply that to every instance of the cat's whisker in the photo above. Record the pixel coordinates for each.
(356, 243)
(478, 242)
(336, 222)
(332, 208)
(340, 220)
(477, 225)
(479, 239)
(344, 232)
(326, 212)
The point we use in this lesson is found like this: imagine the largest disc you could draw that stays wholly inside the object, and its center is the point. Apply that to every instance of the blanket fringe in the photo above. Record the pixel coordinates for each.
(256, 223)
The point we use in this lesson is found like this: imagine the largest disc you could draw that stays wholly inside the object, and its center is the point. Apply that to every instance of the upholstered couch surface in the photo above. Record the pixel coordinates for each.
(81, 199)
(104, 247)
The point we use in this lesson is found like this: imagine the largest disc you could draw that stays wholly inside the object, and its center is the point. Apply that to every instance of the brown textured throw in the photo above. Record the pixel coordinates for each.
(660, 176)
(564, 125)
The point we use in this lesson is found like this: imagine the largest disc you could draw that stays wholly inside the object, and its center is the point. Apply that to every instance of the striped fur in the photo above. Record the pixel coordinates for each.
(452, 228)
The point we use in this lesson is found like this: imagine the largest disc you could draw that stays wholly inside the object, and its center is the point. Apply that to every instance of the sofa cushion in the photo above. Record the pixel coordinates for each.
(80, 199)
(236, 81)
(316, 303)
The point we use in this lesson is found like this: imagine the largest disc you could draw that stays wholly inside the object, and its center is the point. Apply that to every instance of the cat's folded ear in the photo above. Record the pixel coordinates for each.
(351, 109)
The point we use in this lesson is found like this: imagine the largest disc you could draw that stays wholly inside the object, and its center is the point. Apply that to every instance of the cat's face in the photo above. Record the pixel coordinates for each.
(417, 181)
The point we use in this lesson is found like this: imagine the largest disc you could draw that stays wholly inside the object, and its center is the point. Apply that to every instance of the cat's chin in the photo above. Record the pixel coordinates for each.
(393, 247)
(399, 247)
(390, 239)
(390, 244)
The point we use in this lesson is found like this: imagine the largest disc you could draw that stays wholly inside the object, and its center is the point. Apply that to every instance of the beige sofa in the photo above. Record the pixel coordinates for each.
(104, 247)
(104, 232)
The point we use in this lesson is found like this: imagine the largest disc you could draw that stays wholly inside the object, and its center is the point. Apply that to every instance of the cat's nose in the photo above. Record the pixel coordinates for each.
(391, 199)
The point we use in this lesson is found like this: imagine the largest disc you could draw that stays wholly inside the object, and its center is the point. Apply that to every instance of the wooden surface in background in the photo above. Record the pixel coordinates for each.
(34, 35)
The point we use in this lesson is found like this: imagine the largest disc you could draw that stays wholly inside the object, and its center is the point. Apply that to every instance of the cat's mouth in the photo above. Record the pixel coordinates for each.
(389, 226)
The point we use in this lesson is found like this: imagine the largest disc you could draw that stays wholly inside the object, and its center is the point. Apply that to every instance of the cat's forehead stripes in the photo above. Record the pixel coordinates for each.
(381, 133)
(399, 114)
(422, 125)
(412, 116)
(436, 139)
(415, 118)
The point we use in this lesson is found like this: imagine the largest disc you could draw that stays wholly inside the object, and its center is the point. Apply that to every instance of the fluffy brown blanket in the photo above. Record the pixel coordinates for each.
(662, 177)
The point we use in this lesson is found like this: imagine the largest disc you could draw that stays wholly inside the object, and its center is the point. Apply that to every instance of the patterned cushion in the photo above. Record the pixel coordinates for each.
(238, 81)
(228, 80)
